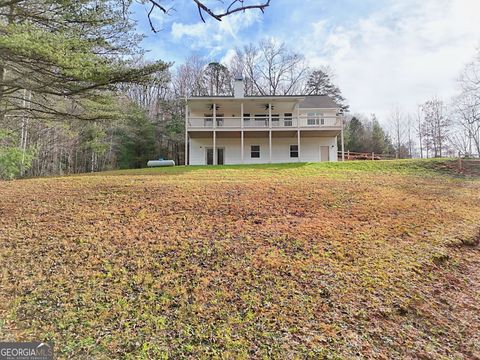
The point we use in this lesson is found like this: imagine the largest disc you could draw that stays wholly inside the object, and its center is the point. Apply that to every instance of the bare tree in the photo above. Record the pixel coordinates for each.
(272, 69)
(466, 106)
(418, 129)
(398, 131)
(467, 115)
(435, 126)
(188, 80)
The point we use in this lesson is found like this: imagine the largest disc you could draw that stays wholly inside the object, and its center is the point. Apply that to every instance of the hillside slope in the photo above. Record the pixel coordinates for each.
(362, 259)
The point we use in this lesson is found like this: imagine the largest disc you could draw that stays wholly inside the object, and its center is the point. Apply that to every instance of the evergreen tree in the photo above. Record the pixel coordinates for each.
(136, 139)
(55, 55)
(320, 83)
(218, 79)
(356, 130)
(378, 143)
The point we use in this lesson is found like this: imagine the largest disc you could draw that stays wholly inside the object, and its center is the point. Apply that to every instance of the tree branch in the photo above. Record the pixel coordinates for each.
(234, 7)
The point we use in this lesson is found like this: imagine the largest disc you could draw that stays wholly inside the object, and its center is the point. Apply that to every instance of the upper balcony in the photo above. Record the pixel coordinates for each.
(263, 122)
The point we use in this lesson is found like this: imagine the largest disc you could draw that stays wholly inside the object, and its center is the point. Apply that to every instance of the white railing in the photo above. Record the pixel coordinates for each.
(262, 122)
(324, 121)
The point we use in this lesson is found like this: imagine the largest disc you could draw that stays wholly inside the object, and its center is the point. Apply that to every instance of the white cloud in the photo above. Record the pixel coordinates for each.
(214, 36)
(401, 55)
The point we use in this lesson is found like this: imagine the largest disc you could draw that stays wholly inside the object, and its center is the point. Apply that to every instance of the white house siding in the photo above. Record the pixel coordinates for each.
(309, 149)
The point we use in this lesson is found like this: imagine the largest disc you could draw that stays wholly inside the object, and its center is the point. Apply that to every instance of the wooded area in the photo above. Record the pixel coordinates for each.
(77, 95)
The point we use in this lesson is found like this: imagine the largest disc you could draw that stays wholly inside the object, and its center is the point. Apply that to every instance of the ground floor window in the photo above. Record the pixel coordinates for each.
(255, 151)
(294, 151)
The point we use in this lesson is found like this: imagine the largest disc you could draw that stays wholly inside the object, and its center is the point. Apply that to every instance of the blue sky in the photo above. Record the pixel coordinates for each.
(384, 53)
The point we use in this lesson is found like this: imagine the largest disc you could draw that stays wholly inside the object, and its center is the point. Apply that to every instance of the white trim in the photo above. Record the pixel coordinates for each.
(215, 157)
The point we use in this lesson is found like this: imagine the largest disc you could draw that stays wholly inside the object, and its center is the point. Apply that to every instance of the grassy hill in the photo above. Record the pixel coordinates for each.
(347, 260)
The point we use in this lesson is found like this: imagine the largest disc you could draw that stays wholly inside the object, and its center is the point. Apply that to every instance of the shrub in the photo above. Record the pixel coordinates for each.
(13, 160)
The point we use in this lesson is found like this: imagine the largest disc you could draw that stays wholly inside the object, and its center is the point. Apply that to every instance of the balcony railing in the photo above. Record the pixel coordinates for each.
(263, 122)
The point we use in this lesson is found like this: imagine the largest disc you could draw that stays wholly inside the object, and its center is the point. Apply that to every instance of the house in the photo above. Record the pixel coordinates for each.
(243, 129)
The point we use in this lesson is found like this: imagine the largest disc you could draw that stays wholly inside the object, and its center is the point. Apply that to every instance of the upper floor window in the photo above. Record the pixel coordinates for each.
(208, 120)
(287, 119)
(314, 118)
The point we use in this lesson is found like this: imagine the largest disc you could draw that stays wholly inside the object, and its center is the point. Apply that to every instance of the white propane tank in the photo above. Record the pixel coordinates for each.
(157, 163)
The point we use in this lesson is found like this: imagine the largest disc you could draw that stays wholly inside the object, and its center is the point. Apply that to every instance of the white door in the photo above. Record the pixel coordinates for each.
(324, 153)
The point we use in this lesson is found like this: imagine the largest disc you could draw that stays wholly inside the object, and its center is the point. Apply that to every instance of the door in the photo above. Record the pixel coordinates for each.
(220, 152)
(324, 153)
(220, 156)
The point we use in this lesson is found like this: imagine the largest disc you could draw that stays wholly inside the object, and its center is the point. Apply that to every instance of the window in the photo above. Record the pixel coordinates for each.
(219, 119)
(255, 151)
(314, 118)
(294, 151)
(261, 120)
(287, 119)
(275, 119)
(208, 120)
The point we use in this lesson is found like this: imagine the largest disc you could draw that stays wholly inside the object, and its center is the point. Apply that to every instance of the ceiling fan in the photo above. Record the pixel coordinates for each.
(210, 107)
(265, 106)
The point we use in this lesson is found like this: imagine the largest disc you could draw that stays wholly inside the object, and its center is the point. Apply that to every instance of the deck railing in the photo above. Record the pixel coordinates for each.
(263, 122)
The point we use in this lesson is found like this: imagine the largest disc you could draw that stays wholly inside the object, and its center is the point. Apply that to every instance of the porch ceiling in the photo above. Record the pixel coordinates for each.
(229, 107)
(263, 134)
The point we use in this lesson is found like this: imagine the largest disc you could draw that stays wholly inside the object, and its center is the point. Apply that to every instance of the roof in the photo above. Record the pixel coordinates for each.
(306, 101)
(318, 101)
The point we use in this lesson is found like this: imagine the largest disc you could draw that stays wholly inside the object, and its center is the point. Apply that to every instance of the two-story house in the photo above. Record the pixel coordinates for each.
(243, 129)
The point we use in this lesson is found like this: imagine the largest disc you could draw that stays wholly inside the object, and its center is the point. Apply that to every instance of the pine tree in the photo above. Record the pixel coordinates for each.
(64, 53)
(356, 130)
(320, 83)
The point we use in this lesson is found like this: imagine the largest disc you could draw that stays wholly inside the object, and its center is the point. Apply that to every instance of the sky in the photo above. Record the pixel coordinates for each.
(384, 53)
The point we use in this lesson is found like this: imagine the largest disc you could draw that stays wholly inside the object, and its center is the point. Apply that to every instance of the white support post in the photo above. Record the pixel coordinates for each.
(298, 144)
(214, 116)
(186, 134)
(214, 134)
(242, 146)
(342, 141)
(241, 132)
(297, 113)
(270, 145)
(214, 147)
(270, 116)
(241, 115)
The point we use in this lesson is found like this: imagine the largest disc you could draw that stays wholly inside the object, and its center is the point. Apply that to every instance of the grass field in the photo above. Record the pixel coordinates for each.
(348, 260)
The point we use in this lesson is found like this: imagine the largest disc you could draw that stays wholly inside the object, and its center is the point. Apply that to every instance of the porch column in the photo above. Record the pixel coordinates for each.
(241, 115)
(214, 116)
(342, 141)
(297, 113)
(214, 147)
(214, 134)
(270, 132)
(241, 132)
(186, 134)
(270, 115)
(270, 145)
(242, 145)
(298, 144)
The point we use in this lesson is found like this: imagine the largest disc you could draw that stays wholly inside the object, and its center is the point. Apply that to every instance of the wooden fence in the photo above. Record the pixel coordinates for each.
(351, 155)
